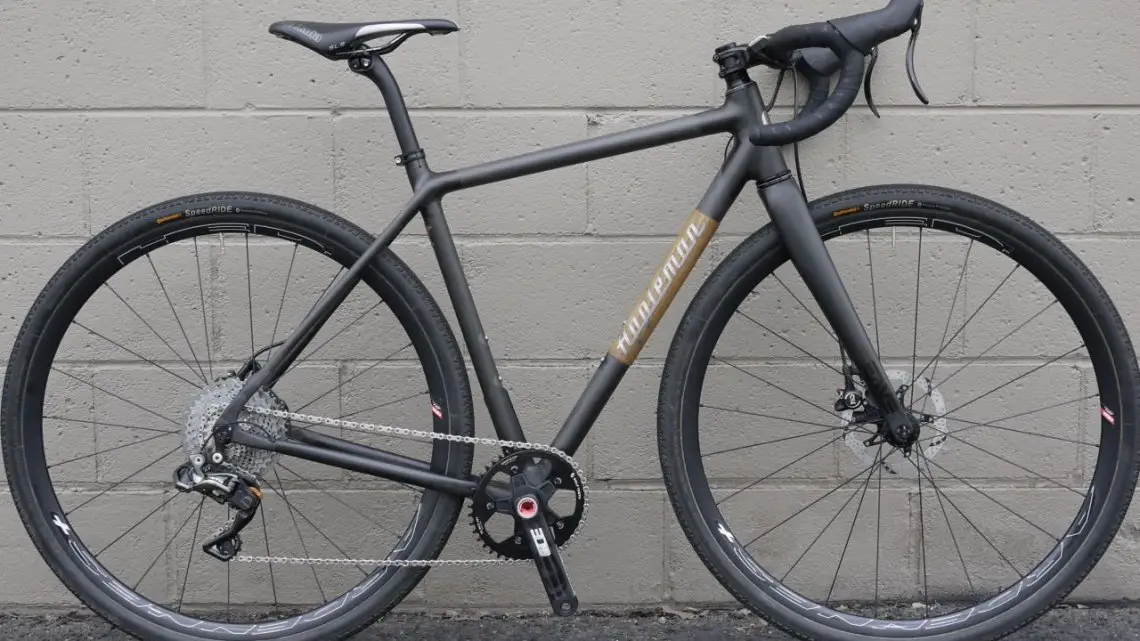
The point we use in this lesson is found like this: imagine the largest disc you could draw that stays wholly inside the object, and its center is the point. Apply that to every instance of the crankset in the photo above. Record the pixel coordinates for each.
(520, 487)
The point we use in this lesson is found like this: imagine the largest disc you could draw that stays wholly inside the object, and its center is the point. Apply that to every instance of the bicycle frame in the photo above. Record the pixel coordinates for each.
(742, 111)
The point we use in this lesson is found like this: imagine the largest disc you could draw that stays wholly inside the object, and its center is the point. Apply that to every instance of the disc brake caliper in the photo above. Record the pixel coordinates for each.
(243, 495)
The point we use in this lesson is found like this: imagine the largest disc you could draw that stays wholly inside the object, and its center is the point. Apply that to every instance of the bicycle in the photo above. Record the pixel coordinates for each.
(885, 434)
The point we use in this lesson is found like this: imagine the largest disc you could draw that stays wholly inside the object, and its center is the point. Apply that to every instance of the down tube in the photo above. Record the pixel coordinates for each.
(695, 234)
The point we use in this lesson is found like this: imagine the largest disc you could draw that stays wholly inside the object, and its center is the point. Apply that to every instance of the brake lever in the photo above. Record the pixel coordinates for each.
(867, 81)
(910, 58)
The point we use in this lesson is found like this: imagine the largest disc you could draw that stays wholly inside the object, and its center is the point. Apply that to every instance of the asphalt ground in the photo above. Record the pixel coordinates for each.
(1067, 623)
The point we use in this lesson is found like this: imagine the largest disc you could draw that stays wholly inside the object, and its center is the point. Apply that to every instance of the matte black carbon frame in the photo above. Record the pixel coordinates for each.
(742, 112)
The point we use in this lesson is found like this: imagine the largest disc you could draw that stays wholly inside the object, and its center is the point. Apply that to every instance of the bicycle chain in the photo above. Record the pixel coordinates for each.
(403, 432)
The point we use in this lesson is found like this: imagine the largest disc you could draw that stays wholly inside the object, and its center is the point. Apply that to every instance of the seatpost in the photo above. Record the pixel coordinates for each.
(411, 156)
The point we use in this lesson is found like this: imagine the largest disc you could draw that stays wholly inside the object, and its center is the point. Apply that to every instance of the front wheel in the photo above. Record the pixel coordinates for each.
(1006, 350)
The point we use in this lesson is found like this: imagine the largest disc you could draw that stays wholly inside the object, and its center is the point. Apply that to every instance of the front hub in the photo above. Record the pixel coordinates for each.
(901, 430)
(924, 429)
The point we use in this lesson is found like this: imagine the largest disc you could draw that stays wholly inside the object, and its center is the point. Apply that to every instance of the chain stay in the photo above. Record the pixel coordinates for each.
(403, 432)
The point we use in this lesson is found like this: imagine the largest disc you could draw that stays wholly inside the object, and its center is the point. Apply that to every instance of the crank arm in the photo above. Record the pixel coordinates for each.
(546, 556)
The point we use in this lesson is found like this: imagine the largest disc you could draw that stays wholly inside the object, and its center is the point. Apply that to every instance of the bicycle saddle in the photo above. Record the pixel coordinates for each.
(336, 39)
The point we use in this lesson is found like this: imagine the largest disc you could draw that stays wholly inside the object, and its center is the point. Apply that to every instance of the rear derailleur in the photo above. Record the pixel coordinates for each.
(240, 493)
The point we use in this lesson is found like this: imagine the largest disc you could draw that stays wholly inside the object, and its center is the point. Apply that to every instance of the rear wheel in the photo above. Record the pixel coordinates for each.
(142, 331)
(1007, 351)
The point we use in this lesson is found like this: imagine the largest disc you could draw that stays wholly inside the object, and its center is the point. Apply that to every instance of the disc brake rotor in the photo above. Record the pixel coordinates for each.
(929, 444)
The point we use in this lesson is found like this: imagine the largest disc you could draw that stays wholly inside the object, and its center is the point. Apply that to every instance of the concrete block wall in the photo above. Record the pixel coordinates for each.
(108, 107)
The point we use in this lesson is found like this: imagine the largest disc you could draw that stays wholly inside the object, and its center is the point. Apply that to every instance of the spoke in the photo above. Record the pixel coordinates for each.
(130, 351)
(813, 503)
(228, 593)
(992, 423)
(189, 558)
(930, 477)
(281, 305)
(797, 347)
(999, 503)
(190, 367)
(177, 319)
(120, 482)
(922, 543)
(166, 547)
(963, 327)
(784, 467)
(870, 473)
(878, 528)
(767, 443)
(874, 298)
(315, 528)
(945, 516)
(1020, 467)
(376, 407)
(110, 449)
(946, 329)
(132, 403)
(272, 578)
(128, 427)
(202, 299)
(297, 528)
(1010, 429)
(331, 338)
(138, 523)
(353, 377)
(249, 296)
(855, 519)
(914, 346)
(806, 308)
(339, 500)
(773, 385)
(776, 418)
(1008, 383)
(979, 356)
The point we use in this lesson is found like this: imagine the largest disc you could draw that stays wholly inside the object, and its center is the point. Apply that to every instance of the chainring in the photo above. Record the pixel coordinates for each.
(561, 479)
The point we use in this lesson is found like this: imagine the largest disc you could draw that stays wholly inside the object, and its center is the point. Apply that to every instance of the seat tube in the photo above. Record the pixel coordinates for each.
(789, 212)
(498, 400)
